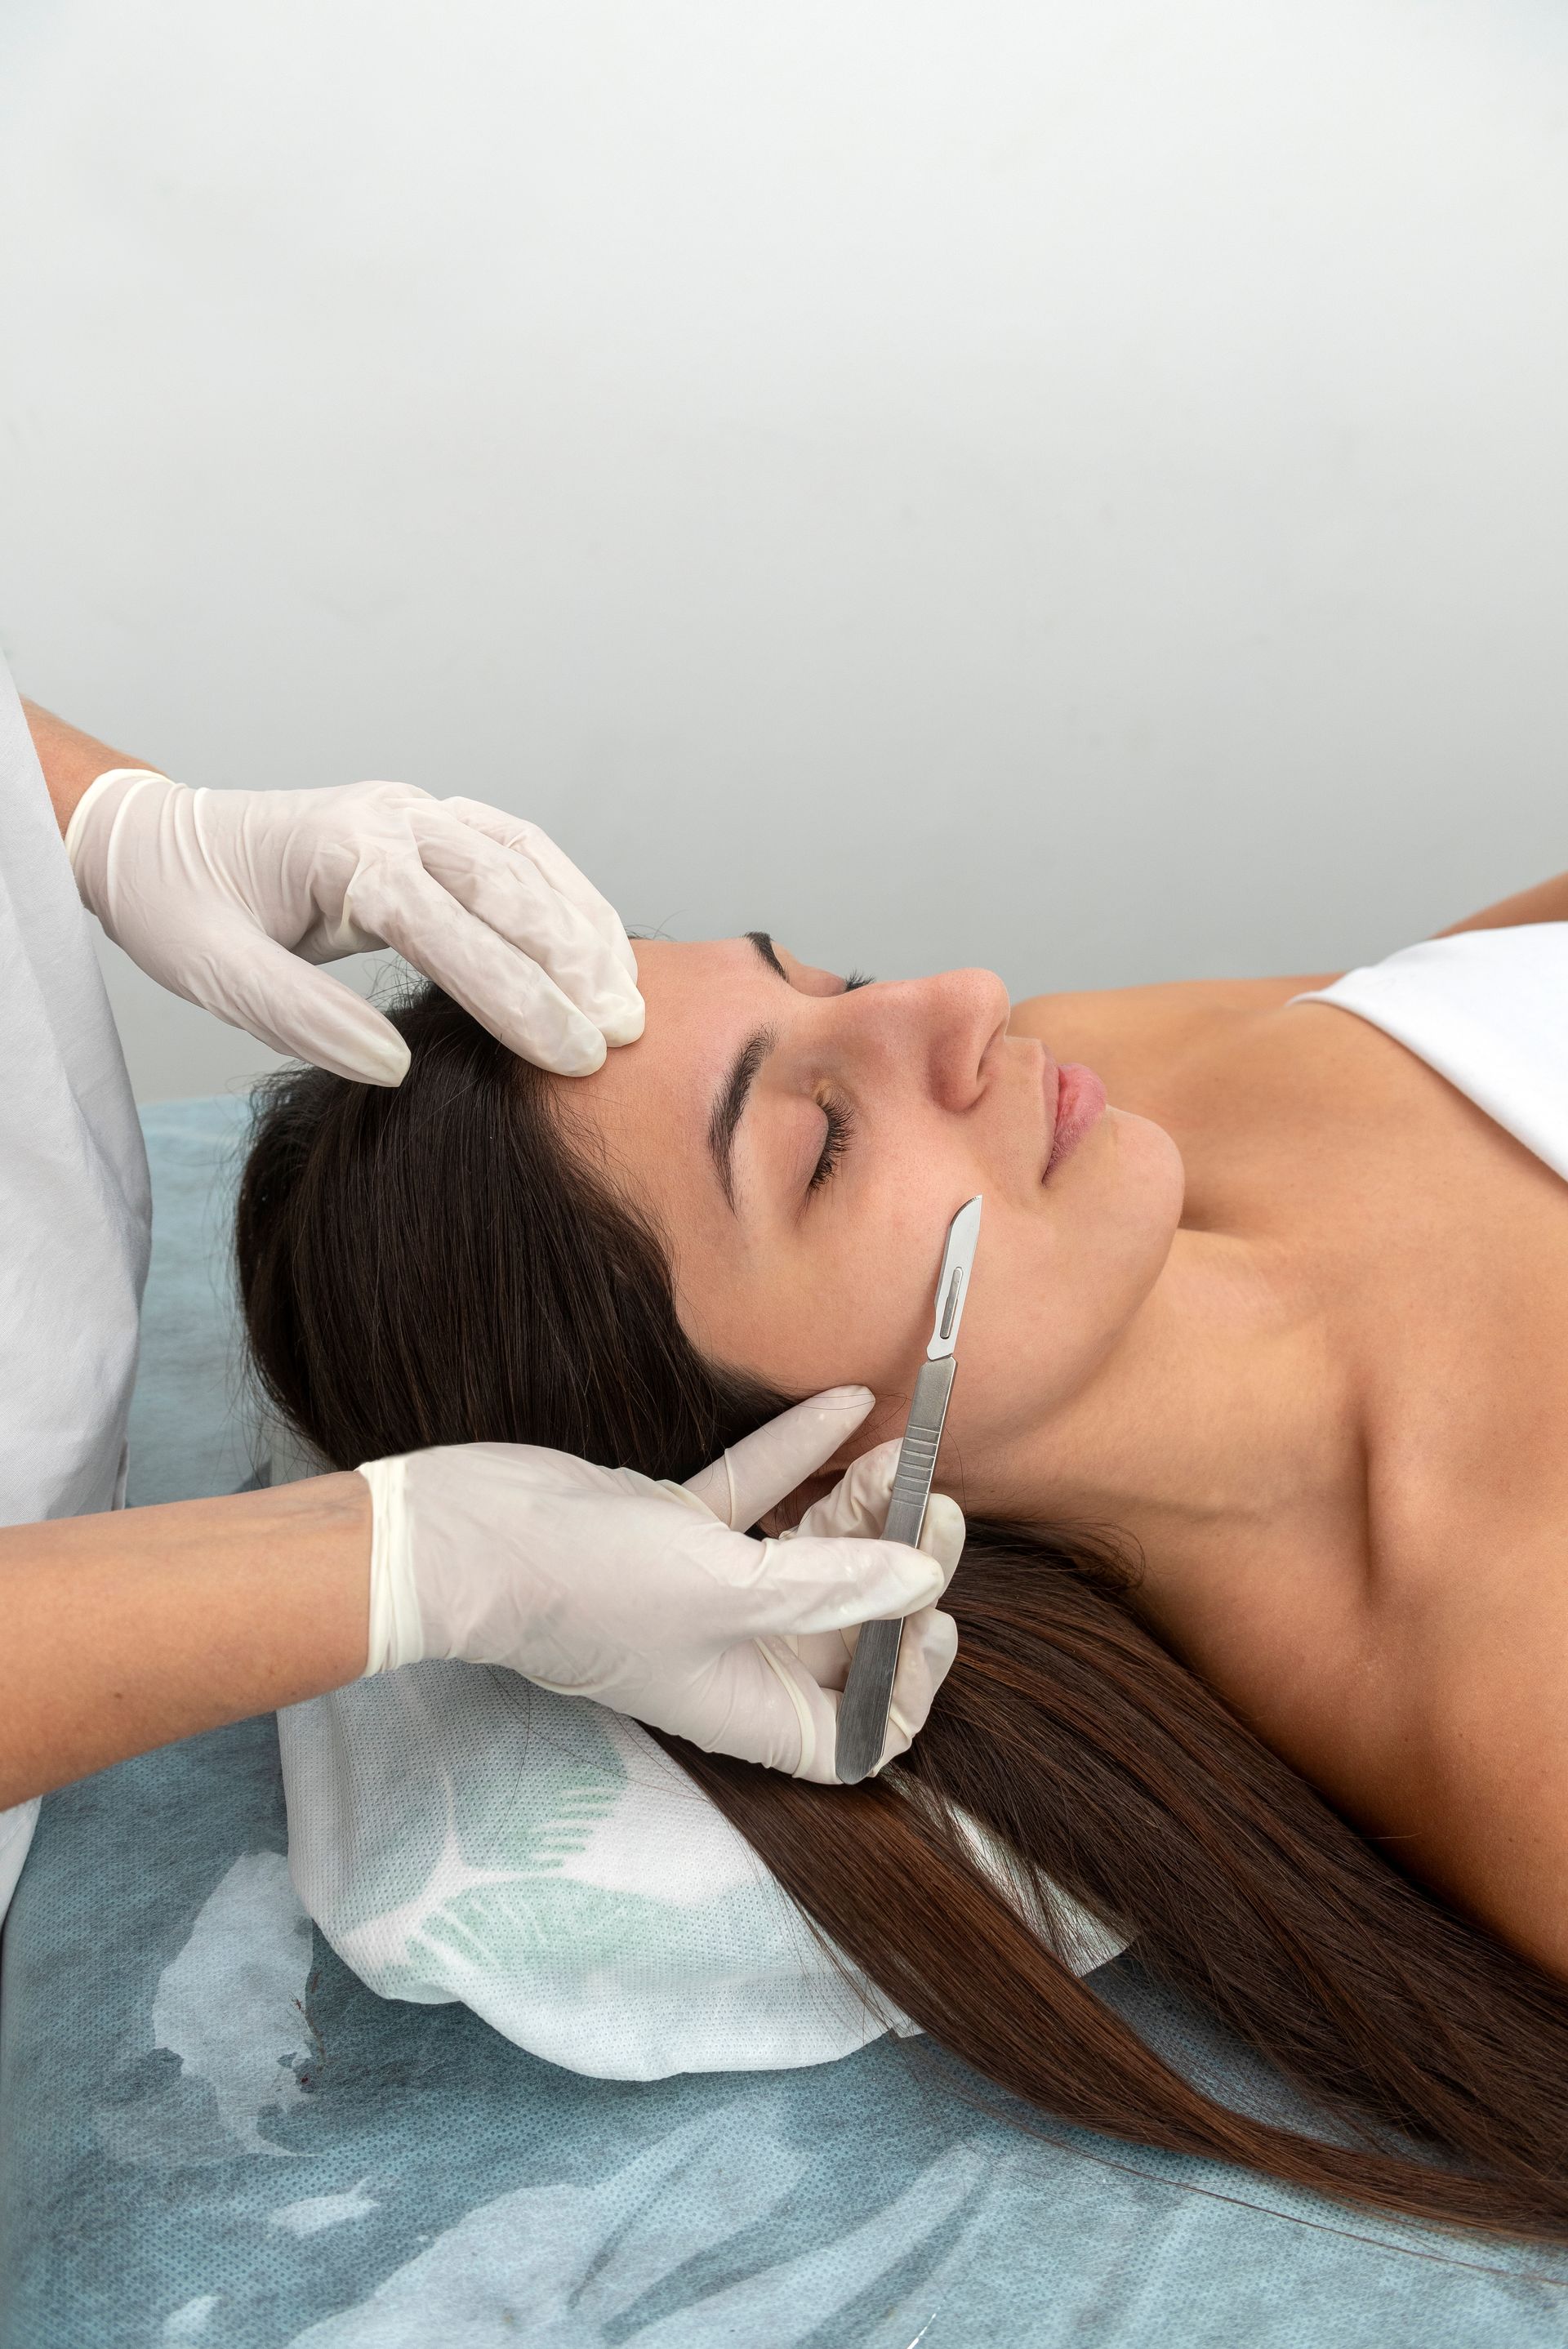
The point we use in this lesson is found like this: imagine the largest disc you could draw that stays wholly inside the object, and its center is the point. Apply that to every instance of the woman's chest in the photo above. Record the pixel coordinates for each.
(1434, 1248)
(1423, 1683)
(1421, 1676)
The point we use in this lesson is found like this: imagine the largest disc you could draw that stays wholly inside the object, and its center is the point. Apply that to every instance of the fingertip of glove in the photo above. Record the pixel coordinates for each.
(579, 1055)
(381, 1063)
(857, 1399)
(945, 1531)
(924, 1579)
(942, 1639)
(624, 1022)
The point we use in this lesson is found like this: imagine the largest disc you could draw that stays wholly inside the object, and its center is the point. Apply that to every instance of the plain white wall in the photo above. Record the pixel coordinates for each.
(1078, 488)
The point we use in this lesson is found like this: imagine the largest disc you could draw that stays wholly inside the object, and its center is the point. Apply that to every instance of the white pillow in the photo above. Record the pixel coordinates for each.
(458, 1834)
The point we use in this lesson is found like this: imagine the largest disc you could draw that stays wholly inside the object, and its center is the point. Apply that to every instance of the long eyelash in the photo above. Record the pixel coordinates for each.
(841, 1127)
(857, 979)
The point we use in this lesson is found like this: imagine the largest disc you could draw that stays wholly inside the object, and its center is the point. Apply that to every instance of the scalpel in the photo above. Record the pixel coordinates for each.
(863, 1707)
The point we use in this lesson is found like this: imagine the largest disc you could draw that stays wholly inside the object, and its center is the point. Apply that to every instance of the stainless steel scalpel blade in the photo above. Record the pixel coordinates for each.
(863, 1707)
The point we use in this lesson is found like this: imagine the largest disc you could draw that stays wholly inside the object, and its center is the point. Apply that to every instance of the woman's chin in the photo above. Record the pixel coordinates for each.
(1139, 1170)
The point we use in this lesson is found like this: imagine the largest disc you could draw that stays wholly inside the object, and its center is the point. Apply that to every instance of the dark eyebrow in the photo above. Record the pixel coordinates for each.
(730, 1106)
(768, 952)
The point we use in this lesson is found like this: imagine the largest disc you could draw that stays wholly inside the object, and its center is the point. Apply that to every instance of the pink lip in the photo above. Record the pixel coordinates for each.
(1079, 1102)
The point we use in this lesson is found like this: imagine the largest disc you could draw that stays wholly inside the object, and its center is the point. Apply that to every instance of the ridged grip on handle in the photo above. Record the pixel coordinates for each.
(863, 1707)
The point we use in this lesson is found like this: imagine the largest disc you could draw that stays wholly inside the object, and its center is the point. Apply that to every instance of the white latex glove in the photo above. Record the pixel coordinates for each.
(647, 1597)
(229, 898)
(857, 1507)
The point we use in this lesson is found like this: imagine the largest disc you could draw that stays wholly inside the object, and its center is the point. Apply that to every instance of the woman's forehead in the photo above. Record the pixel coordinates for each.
(700, 998)
(696, 996)
(652, 1104)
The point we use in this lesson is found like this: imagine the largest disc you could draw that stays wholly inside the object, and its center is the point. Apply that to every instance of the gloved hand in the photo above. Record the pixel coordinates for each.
(648, 1597)
(227, 898)
(857, 1507)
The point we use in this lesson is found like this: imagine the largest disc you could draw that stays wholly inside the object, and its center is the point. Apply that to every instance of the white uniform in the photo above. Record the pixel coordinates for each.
(75, 1208)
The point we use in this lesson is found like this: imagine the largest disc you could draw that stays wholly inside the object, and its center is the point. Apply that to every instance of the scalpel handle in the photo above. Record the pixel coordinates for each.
(863, 1707)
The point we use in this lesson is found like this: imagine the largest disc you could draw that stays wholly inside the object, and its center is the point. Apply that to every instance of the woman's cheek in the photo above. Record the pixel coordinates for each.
(851, 1339)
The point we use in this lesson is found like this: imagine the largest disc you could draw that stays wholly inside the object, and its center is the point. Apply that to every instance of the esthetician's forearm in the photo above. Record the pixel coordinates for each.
(1547, 901)
(70, 759)
(125, 1632)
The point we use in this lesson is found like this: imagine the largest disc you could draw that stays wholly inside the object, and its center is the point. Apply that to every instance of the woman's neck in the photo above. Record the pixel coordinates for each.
(1226, 1424)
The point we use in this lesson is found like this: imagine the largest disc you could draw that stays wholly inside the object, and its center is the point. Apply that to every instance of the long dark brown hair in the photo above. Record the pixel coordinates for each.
(448, 1262)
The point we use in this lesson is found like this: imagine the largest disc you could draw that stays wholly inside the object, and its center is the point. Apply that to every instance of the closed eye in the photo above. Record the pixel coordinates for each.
(835, 1141)
(768, 954)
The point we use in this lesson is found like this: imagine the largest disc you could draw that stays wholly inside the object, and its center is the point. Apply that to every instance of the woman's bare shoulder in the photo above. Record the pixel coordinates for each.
(1119, 1030)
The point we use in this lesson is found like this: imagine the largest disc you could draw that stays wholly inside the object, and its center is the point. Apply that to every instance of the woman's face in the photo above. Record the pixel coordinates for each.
(802, 1146)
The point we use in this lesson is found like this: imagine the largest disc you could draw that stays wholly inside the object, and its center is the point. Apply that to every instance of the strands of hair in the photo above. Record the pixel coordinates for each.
(446, 1263)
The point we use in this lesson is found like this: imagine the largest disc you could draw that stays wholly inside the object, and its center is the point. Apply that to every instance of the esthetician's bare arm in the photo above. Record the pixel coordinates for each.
(126, 1630)
(70, 759)
(1547, 901)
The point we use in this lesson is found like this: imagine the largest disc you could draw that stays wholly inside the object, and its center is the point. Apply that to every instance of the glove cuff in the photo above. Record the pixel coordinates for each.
(396, 1633)
(89, 835)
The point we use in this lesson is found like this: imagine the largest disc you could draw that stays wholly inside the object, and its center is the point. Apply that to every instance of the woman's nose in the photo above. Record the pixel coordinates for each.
(948, 1025)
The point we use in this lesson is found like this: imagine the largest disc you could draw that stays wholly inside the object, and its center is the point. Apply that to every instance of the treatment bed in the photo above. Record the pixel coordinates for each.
(211, 2133)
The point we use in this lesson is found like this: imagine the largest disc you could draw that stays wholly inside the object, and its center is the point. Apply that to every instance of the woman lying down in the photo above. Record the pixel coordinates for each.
(1261, 1424)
